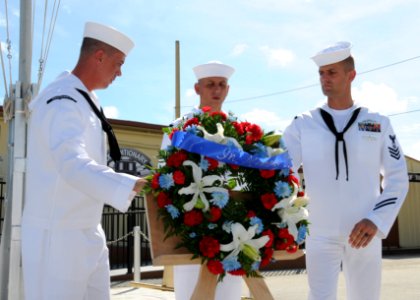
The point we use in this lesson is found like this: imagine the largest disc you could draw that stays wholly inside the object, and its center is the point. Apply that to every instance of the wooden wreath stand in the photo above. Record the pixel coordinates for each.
(164, 254)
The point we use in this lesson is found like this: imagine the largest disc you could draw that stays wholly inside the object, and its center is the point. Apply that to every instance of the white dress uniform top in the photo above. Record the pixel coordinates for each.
(338, 204)
(67, 185)
(345, 191)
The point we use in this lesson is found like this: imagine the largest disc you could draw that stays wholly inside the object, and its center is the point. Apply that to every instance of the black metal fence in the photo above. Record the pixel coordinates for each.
(118, 228)
(2, 206)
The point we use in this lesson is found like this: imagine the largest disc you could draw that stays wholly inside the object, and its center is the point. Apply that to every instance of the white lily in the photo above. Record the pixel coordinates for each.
(243, 241)
(219, 136)
(291, 211)
(200, 186)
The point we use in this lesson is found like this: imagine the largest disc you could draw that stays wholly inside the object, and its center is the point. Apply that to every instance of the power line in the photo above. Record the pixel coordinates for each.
(404, 113)
(317, 84)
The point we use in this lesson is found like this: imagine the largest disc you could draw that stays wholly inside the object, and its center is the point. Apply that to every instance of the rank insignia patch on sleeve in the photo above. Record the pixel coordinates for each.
(394, 151)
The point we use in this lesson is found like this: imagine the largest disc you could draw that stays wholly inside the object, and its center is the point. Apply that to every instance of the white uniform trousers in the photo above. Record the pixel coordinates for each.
(186, 276)
(361, 267)
(68, 264)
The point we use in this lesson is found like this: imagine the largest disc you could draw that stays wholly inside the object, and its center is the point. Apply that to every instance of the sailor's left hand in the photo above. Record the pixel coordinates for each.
(362, 233)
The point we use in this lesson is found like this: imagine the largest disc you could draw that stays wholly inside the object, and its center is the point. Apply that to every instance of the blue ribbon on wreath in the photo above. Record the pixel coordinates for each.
(229, 154)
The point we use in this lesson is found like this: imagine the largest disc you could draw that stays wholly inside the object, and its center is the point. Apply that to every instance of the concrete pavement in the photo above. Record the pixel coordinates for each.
(400, 280)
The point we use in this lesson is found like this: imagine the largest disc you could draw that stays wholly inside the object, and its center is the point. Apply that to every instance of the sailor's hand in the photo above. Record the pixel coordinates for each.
(362, 233)
(140, 183)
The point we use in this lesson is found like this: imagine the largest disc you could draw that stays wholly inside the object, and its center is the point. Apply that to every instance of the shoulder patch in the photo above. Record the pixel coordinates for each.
(59, 97)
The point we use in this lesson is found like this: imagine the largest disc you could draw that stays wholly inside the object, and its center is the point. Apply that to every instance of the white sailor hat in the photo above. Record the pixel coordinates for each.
(332, 54)
(108, 35)
(213, 69)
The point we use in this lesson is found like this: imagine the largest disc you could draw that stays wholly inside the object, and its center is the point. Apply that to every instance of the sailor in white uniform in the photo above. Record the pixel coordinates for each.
(345, 150)
(64, 249)
(212, 87)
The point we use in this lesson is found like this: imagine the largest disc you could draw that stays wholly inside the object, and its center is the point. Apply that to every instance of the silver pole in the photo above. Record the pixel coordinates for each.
(137, 253)
(177, 82)
(11, 269)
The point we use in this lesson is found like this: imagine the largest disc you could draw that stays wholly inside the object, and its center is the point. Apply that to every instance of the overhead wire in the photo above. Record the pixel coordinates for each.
(45, 48)
(317, 84)
(9, 54)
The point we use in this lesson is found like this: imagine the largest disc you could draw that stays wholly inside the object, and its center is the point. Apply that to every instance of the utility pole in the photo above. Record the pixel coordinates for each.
(177, 82)
(11, 286)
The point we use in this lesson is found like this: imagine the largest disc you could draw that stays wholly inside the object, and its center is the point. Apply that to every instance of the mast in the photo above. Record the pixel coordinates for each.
(177, 82)
(11, 286)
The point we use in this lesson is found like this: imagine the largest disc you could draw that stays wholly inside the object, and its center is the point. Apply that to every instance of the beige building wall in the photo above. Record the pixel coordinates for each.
(3, 147)
(408, 218)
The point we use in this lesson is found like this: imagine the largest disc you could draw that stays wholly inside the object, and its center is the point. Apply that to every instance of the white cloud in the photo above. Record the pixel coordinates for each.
(238, 49)
(266, 119)
(111, 112)
(379, 97)
(190, 93)
(278, 57)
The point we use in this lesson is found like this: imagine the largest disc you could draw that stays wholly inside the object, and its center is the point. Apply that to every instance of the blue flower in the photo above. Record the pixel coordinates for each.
(256, 220)
(232, 118)
(211, 226)
(197, 111)
(204, 164)
(172, 210)
(282, 189)
(166, 181)
(301, 235)
(227, 226)
(192, 235)
(192, 129)
(231, 264)
(255, 266)
(220, 199)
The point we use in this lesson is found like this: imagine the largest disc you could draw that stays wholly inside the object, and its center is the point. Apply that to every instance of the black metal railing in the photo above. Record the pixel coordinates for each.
(118, 229)
(2, 206)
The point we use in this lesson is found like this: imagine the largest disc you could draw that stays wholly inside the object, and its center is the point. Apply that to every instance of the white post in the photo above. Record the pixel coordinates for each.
(137, 253)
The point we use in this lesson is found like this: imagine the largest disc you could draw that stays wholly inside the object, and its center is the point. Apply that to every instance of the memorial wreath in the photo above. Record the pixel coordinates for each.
(226, 189)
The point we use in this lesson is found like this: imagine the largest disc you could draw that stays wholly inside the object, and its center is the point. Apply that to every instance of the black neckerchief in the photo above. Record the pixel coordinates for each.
(339, 136)
(114, 149)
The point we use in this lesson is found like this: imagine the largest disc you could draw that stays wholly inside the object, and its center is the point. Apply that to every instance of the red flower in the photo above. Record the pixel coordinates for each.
(193, 218)
(292, 179)
(179, 177)
(301, 194)
(285, 239)
(163, 199)
(266, 257)
(215, 267)
(239, 128)
(209, 246)
(155, 181)
(213, 164)
(206, 109)
(292, 248)
(176, 159)
(192, 121)
(250, 214)
(254, 134)
(270, 235)
(233, 167)
(267, 173)
(239, 272)
(283, 233)
(269, 200)
(215, 213)
(219, 113)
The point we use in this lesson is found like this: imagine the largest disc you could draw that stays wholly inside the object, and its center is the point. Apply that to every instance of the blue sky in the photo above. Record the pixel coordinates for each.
(269, 42)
